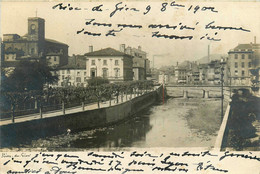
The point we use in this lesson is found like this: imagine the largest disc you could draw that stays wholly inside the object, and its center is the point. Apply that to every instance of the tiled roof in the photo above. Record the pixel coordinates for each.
(247, 46)
(73, 66)
(54, 41)
(107, 52)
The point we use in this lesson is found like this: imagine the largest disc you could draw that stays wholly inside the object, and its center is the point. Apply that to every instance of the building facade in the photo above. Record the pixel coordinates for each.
(71, 75)
(241, 60)
(140, 62)
(110, 64)
(35, 45)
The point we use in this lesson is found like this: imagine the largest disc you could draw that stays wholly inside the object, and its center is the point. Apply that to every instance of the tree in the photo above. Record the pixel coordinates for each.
(29, 75)
(96, 81)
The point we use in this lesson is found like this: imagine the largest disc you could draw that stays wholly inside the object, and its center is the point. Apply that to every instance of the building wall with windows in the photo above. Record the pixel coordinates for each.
(241, 59)
(71, 75)
(141, 65)
(109, 63)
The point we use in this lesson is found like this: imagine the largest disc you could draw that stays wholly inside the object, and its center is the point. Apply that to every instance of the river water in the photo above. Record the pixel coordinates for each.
(162, 125)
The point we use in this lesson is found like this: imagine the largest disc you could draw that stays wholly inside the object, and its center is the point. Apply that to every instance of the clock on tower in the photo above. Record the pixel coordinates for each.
(36, 29)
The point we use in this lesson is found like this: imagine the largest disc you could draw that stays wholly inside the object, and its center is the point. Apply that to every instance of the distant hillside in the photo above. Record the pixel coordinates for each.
(212, 57)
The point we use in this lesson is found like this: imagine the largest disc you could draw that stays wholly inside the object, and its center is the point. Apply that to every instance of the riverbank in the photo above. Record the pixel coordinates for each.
(13, 134)
(244, 123)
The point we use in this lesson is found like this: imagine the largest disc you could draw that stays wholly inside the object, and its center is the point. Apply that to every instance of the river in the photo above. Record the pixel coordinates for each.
(162, 125)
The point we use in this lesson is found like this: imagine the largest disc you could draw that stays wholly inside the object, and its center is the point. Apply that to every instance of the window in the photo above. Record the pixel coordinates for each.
(78, 79)
(55, 59)
(117, 72)
(104, 62)
(243, 73)
(93, 62)
(116, 62)
(32, 50)
(236, 64)
(249, 56)
(243, 64)
(62, 71)
(68, 71)
(236, 72)
(105, 72)
(249, 64)
(85, 73)
(243, 56)
(236, 56)
(78, 73)
(93, 72)
(63, 77)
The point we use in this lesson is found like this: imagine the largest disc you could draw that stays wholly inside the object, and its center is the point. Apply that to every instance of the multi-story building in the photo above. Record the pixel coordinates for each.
(109, 63)
(203, 69)
(241, 59)
(35, 45)
(71, 75)
(141, 65)
(180, 74)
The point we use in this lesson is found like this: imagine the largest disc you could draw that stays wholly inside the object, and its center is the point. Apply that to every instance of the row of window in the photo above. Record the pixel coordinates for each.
(78, 79)
(93, 62)
(242, 64)
(242, 73)
(93, 74)
(243, 56)
(105, 72)
(78, 72)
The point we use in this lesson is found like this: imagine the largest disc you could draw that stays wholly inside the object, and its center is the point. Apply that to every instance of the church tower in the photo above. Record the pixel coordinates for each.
(36, 29)
(36, 34)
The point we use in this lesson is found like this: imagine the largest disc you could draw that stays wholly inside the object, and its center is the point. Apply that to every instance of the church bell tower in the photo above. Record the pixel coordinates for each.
(36, 36)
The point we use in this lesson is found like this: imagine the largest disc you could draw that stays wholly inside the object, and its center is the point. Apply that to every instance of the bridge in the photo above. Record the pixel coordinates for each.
(206, 89)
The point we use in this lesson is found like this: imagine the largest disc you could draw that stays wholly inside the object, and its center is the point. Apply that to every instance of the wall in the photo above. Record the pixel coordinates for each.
(34, 129)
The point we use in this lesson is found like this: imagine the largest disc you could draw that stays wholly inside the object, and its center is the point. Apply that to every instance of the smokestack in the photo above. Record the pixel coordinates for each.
(208, 53)
(91, 48)
(255, 40)
(122, 48)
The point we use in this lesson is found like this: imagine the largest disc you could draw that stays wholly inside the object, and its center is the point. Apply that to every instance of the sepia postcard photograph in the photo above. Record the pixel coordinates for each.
(173, 84)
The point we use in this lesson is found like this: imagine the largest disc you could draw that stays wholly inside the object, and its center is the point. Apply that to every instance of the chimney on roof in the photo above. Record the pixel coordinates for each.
(139, 47)
(90, 48)
(122, 48)
(255, 40)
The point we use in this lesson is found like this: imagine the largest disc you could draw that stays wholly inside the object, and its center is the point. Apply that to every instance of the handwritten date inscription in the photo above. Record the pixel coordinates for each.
(207, 31)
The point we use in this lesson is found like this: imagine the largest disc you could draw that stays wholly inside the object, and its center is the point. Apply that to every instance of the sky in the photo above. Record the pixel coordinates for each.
(62, 25)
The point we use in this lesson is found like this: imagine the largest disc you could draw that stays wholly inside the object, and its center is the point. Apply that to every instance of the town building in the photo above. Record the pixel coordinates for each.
(203, 69)
(141, 65)
(109, 63)
(71, 75)
(180, 74)
(34, 45)
(241, 60)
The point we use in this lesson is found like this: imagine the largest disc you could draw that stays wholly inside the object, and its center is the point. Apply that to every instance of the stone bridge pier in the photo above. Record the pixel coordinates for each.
(205, 93)
(185, 94)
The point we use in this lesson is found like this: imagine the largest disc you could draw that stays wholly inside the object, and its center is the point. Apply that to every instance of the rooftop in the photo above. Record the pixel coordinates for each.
(107, 52)
(246, 47)
(54, 41)
(73, 66)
